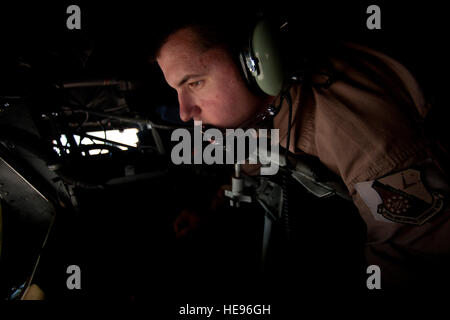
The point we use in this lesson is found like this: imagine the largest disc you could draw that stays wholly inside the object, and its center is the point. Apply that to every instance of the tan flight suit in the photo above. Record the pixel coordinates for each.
(365, 126)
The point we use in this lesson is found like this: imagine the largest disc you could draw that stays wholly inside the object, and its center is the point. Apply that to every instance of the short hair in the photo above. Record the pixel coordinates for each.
(212, 31)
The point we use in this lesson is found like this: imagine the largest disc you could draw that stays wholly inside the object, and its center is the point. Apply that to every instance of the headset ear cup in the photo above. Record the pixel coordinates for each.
(249, 78)
(266, 50)
(245, 72)
(261, 60)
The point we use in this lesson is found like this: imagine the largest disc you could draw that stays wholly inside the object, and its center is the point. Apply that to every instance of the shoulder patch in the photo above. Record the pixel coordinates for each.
(401, 197)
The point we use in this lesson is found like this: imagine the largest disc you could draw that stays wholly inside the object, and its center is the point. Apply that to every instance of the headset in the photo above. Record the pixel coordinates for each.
(261, 59)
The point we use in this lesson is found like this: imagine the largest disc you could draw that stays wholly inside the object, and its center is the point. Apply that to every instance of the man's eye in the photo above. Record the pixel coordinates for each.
(195, 84)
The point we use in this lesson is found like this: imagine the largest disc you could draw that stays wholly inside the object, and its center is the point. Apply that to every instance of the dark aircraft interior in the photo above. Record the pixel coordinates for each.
(69, 197)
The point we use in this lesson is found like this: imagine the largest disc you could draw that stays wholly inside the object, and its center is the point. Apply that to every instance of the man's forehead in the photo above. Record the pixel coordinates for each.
(180, 55)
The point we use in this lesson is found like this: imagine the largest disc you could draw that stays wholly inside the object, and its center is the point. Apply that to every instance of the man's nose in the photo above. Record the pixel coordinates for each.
(188, 108)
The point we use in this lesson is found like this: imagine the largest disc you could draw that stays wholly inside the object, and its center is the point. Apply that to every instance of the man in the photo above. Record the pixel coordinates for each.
(366, 125)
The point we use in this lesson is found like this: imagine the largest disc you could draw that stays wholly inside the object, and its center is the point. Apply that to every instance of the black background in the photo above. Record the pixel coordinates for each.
(122, 34)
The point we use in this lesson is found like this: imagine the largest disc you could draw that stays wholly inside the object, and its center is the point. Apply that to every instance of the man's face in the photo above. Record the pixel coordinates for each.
(209, 85)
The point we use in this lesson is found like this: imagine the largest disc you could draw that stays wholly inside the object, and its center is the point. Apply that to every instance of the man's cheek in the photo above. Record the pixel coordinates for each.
(214, 105)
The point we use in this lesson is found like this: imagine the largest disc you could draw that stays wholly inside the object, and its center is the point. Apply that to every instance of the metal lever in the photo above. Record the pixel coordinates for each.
(237, 187)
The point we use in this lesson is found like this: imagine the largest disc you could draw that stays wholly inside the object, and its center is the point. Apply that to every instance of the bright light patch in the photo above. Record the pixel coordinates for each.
(126, 136)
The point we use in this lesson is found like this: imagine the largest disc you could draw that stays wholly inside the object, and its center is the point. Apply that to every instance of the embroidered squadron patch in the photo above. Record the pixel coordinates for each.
(401, 197)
